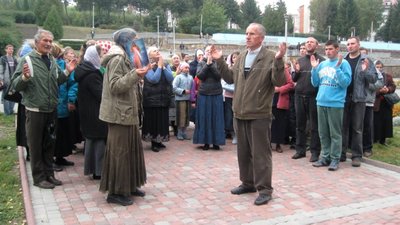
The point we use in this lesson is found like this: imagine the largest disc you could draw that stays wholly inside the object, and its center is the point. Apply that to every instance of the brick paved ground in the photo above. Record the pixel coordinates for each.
(189, 186)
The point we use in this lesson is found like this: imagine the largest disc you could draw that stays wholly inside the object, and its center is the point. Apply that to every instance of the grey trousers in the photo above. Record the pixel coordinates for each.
(254, 154)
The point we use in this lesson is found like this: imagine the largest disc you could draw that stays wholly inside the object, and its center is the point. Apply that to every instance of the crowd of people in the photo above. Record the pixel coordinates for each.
(107, 98)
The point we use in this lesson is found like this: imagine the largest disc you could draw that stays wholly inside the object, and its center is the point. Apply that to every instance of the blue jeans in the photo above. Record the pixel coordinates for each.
(330, 122)
(8, 106)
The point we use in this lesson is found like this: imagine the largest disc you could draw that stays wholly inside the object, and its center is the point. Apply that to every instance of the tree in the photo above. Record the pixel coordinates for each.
(274, 19)
(323, 14)
(42, 8)
(232, 10)
(347, 18)
(391, 30)
(214, 18)
(370, 14)
(54, 23)
(250, 13)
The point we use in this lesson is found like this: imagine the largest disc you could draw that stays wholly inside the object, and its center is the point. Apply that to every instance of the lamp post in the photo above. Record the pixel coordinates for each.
(286, 31)
(92, 32)
(353, 31)
(201, 25)
(329, 32)
(173, 31)
(158, 31)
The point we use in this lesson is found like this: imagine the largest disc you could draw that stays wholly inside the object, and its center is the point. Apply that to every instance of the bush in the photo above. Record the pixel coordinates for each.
(73, 43)
(396, 110)
(25, 17)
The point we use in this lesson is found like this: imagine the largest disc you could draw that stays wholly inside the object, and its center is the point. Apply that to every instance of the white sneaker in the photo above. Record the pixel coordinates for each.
(234, 140)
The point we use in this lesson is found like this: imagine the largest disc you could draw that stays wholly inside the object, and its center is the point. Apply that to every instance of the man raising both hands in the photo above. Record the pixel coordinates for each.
(332, 78)
(255, 73)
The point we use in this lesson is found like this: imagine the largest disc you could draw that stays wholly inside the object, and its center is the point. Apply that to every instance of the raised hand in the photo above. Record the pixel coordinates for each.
(365, 64)
(340, 59)
(141, 72)
(71, 65)
(215, 53)
(314, 62)
(26, 72)
(281, 52)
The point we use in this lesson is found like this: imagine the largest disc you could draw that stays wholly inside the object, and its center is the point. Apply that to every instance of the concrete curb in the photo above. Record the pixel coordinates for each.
(29, 214)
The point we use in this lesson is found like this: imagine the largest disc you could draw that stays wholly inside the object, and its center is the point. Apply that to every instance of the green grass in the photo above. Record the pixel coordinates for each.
(391, 153)
(11, 203)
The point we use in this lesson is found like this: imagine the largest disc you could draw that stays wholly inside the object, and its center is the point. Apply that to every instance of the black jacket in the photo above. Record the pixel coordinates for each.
(90, 86)
(303, 77)
(157, 95)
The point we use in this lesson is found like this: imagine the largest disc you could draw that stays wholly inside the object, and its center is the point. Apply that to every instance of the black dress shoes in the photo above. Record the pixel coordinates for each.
(119, 199)
(216, 147)
(64, 162)
(139, 193)
(206, 147)
(314, 158)
(54, 181)
(44, 184)
(57, 168)
(161, 145)
(298, 155)
(96, 177)
(262, 199)
(243, 190)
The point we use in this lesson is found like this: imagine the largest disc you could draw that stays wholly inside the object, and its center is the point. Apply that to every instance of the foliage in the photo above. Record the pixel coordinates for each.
(370, 12)
(11, 203)
(25, 17)
(391, 30)
(250, 13)
(396, 110)
(43, 7)
(8, 33)
(214, 18)
(232, 10)
(274, 19)
(73, 43)
(347, 18)
(54, 23)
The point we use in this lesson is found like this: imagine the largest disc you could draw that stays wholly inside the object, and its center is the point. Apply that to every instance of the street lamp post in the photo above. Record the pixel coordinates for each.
(353, 32)
(173, 30)
(158, 31)
(92, 32)
(329, 32)
(201, 25)
(286, 31)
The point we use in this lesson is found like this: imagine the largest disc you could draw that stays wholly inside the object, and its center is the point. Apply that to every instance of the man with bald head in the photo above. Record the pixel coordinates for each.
(255, 74)
(305, 103)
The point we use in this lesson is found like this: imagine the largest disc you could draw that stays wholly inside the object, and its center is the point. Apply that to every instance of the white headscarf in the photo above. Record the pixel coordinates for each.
(92, 56)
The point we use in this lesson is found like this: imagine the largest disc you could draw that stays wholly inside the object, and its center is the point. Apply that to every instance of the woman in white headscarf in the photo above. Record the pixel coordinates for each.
(90, 81)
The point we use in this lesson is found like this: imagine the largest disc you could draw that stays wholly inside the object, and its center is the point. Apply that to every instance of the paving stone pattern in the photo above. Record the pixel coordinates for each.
(186, 185)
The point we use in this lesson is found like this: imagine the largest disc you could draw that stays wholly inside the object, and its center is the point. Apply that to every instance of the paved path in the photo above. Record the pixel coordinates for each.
(189, 186)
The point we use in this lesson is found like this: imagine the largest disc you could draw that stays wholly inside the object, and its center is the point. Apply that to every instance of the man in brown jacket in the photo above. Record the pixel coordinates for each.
(255, 75)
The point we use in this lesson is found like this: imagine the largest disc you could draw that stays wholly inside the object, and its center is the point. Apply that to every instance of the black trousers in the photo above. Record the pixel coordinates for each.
(41, 134)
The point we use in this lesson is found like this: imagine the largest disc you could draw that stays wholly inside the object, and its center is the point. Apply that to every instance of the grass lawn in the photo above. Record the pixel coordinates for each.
(391, 153)
(11, 203)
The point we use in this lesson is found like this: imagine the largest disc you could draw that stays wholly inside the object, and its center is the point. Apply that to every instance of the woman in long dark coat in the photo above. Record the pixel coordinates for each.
(383, 119)
(90, 85)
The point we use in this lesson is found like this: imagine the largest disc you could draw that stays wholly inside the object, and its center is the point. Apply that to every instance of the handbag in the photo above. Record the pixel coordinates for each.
(12, 95)
(392, 98)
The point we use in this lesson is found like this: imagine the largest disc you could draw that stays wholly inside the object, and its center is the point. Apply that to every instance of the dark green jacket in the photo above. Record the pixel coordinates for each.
(39, 92)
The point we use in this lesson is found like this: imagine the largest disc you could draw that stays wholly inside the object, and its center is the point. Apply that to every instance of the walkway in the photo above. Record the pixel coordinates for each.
(189, 186)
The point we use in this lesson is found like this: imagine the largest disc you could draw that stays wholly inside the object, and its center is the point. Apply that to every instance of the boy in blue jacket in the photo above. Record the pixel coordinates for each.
(332, 77)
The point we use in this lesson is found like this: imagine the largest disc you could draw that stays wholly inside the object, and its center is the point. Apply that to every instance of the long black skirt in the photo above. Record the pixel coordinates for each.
(155, 124)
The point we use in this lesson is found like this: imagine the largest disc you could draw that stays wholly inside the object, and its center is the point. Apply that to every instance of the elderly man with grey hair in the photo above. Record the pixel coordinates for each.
(37, 78)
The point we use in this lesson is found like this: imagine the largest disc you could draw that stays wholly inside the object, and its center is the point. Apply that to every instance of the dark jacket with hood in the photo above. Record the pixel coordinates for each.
(90, 86)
